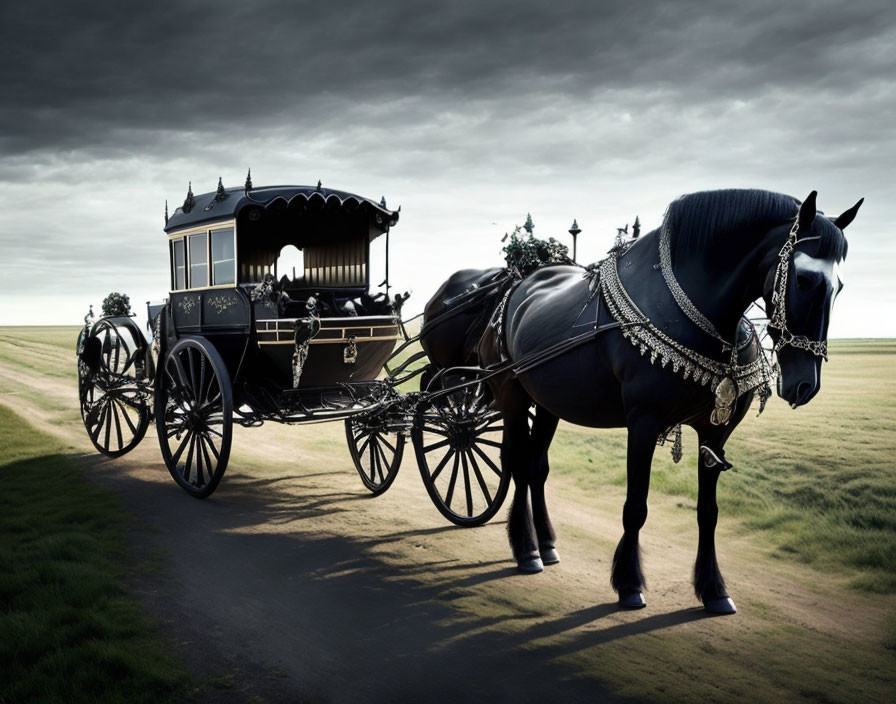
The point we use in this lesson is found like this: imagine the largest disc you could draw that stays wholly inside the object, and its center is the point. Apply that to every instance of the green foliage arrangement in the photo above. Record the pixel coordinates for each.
(116, 304)
(525, 253)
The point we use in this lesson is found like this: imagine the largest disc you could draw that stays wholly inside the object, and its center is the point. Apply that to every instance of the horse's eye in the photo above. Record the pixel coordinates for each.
(803, 282)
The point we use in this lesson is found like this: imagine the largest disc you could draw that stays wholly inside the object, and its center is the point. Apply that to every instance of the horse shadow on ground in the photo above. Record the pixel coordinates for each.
(300, 614)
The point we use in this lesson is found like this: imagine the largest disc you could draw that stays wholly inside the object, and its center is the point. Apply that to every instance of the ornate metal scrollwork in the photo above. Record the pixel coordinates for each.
(350, 352)
(222, 303)
(728, 381)
(187, 304)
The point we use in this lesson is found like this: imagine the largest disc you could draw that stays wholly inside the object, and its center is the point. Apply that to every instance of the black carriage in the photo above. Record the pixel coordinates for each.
(271, 317)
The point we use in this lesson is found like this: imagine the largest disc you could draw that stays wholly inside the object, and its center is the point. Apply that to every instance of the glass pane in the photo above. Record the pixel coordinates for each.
(223, 268)
(180, 270)
(198, 261)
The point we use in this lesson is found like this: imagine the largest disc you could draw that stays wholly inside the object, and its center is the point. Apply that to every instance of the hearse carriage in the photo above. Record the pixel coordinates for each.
(271, 317)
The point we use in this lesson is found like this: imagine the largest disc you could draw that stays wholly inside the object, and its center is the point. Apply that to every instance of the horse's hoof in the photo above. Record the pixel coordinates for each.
(720, 606)
(549, 556)
(633, 600)
(532, 565)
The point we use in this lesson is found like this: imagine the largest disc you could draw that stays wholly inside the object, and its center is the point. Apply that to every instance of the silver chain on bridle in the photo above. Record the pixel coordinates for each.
(778, 319)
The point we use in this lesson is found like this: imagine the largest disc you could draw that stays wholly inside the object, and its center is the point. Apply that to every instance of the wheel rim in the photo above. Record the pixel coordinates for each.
(457, 440)
(376, 452)
(195, 419)
(114, 408)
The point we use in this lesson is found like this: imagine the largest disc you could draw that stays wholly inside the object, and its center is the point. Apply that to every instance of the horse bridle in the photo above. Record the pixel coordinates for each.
(778, 319)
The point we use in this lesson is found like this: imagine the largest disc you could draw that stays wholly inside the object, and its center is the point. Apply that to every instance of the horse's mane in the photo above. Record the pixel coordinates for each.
(696, 219)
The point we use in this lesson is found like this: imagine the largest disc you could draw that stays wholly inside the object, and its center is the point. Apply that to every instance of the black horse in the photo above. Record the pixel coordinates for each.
(653, 337)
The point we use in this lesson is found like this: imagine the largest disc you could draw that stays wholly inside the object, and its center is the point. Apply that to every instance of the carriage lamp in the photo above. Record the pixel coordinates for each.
(574, 231)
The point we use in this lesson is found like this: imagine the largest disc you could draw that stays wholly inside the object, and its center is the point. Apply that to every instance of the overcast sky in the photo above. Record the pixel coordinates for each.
(467, 114)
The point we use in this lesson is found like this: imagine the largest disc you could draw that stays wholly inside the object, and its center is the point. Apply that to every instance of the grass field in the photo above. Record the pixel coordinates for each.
(69, 631)
(815, 486)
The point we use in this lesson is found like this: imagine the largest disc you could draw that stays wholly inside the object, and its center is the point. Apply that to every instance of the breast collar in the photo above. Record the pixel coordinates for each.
(727, 378)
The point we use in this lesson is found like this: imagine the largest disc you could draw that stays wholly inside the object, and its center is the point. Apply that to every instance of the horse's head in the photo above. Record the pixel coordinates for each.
(799, 294)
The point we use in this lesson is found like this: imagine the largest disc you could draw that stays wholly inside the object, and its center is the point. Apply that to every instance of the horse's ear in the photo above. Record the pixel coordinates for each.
(807, 212)
(847, 216)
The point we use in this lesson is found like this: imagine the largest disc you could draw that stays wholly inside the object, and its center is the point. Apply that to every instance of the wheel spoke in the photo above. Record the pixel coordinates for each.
(175, 458)
(384, 461)
(488, 460)
(200, 477)
(441, 466)
(453, 481)
(211, 446)
(436, 445)
(374, 462)
(128, 420)
(117, 423)
(467, 488)
(479, 478)
(382, 439)
(486, 441)
(100, 417)
(182, 382)
(108, 417)
(216, 398)
(194, 376)
(117, 353)
(364, 445)
(188, 463)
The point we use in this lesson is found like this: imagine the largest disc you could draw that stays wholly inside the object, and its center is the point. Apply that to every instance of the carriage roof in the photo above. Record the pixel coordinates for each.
(229, 203)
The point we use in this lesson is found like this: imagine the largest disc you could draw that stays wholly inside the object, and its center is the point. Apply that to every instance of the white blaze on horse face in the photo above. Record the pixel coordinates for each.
(829, 269)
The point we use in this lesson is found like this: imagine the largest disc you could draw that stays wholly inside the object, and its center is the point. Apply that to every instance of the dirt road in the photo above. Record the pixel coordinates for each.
(291, 584)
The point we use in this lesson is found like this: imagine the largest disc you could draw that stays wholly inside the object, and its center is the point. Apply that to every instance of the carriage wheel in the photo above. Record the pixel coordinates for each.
(457, 439)
(115, 410)
(375, 450)
(194, 415)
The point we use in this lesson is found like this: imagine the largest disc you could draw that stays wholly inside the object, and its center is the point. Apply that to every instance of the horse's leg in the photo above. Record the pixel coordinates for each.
(627, 578)
(543, 428)
(708, 582)
(515, 458)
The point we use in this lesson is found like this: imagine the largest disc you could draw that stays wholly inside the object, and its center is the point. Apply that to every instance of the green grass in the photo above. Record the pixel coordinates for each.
(818, 484)
(69, 631)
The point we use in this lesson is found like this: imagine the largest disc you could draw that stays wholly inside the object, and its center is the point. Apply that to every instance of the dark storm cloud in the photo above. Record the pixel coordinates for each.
(112, 77)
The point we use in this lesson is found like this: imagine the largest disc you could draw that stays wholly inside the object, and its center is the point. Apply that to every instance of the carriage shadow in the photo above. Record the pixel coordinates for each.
(226, 580)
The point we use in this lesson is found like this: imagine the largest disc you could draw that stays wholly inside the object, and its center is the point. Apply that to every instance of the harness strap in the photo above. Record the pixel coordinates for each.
(535, 359)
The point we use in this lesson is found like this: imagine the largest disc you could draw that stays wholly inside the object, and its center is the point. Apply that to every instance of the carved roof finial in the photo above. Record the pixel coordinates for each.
(248, 186)
(319, 184)
(188, 201)
(166, 211)
(383, 202)
(529, 226)
(221, 194)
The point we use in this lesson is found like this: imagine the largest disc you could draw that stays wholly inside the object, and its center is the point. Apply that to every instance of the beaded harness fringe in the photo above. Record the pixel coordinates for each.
(640, 332)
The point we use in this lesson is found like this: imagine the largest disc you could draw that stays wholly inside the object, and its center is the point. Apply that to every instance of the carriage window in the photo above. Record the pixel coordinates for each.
(198, 252)
(179, 264)
(223, 269)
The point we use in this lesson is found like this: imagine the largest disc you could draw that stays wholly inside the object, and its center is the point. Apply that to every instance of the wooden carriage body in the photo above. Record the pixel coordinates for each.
(226, 286)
